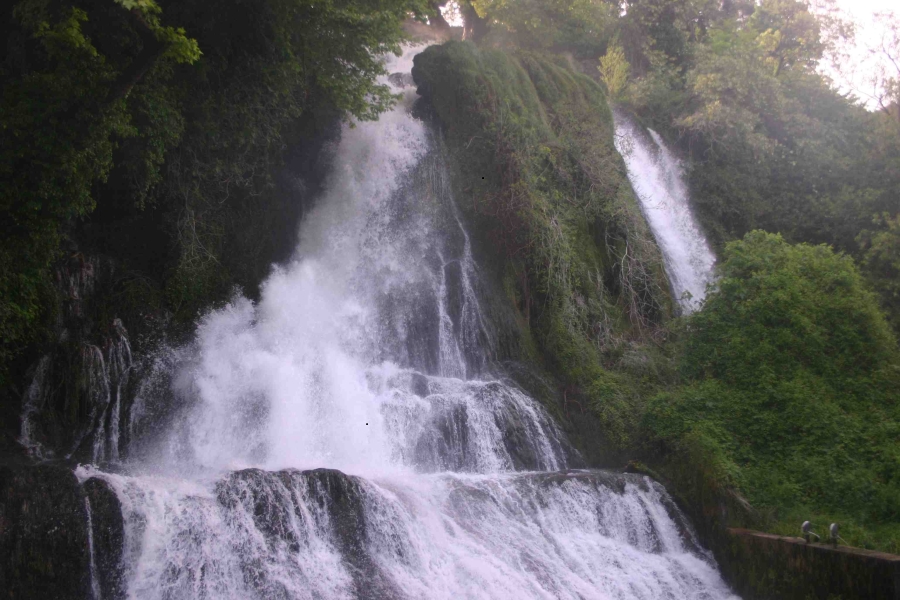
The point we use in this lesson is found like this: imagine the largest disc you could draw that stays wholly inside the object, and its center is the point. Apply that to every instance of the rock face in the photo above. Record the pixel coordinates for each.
(43, 535)
(108, 531)
(279, 502)
(75, 396)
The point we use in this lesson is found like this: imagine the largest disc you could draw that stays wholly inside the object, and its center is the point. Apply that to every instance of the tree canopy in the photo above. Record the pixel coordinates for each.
(136, 103)
(790, 374)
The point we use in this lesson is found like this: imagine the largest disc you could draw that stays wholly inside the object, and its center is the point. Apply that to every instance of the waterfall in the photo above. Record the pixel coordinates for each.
(34, 402)
(344, 437)
(92, 553)
(103, 374)
(657, 178)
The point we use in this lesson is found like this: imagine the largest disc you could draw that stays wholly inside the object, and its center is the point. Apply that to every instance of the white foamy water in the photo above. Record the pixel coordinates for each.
(369, 353)
(657, 178)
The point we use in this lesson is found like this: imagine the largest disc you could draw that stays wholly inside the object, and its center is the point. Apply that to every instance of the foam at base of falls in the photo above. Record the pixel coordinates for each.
(368, 353)
(323, 534)
(657, 178)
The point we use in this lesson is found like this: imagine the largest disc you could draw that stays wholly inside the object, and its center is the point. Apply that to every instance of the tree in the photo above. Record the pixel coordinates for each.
(886, 81)
(788, 33)
(614, 70)
(779, 309)
(63, 102)
(789, 377)
(580, 26)
(881, 259)
(93, 89)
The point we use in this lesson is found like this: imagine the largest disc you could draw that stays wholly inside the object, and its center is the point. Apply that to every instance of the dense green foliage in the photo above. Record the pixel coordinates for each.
(778, 400)
(771, 144)
(790, 374)
(170, 119)
(582, 26)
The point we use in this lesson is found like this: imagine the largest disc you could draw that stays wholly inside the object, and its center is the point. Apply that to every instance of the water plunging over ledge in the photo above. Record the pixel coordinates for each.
(657, 178)
(343, 438)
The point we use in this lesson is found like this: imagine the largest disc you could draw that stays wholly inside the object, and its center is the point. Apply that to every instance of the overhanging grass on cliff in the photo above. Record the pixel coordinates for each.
(534, 163)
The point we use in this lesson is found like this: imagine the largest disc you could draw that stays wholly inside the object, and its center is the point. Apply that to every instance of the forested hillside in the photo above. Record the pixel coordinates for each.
(157, 154)
(777, 401)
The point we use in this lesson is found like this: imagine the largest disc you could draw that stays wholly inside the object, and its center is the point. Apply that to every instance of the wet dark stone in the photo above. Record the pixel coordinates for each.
(266, 495)
(514, 428)
(685, 530)
(419, 385)
(419, 318)
(43, 535)
(108, 529)
(343, 497)
(454, 294)
(446, 445)
(613, 481)
(401, 80)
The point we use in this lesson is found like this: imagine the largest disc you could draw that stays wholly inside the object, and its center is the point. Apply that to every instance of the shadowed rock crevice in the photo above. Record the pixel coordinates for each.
(43, 535)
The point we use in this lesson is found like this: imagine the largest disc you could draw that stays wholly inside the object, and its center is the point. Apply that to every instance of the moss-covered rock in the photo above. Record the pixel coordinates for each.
(554, 218)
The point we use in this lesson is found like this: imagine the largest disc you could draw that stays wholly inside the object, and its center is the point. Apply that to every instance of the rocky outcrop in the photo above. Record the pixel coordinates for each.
(74, 399)
(59, 539)
(43, 535)
(280, 502)
(108, 537)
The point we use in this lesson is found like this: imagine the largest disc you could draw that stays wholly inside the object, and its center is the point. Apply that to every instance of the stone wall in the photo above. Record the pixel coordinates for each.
(764, 566)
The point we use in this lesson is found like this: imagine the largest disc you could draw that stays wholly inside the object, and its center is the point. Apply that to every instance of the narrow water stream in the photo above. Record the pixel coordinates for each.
(657, 178)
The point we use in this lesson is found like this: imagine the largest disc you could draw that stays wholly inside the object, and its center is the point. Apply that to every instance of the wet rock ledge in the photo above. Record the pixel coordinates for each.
(45, 537)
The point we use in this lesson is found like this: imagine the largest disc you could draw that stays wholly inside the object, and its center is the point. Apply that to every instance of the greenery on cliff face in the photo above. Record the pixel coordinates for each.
(777, 401)
(154, 132)
(770, 144)
(532, 142)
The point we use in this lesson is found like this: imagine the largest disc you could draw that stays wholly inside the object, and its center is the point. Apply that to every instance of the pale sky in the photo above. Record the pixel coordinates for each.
(859, 65)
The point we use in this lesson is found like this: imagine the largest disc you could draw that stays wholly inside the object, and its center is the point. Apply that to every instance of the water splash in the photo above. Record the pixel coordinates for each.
(369, 353)
(657, 178)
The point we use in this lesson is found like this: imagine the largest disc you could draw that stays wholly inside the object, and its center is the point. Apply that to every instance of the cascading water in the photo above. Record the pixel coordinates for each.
(657, 178)
(103, 376)
(368, 354)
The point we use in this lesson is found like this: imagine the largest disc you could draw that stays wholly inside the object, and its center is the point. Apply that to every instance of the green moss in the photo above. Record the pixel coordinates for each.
(536, 170)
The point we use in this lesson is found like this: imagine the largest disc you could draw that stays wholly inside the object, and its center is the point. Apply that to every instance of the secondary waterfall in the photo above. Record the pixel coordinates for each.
(344, 437)
(657, 178)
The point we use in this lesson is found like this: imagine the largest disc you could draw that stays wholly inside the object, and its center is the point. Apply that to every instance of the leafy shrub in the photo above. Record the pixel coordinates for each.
(790, 373)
